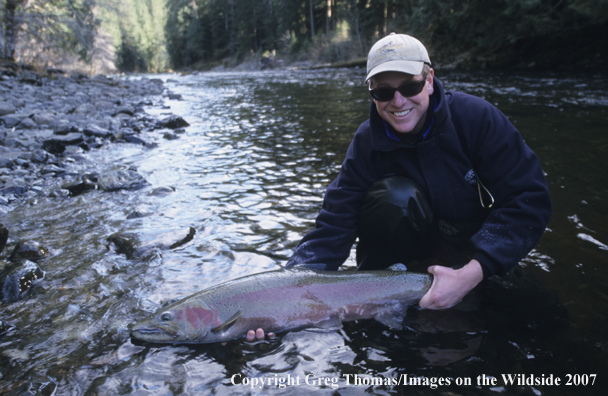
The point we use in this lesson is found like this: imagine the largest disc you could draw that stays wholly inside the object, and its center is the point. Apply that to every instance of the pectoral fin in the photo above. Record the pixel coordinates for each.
(227, 323)
(390, 319)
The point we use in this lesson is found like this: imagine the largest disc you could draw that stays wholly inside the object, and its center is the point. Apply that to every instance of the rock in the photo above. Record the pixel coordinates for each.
(29, 250)
(51, 169)
(97, 131)
(172, 122)
(63, 127)
(60, 193)
(58, 143)
(162, 191)
(39, 156)
(85, 182)
(8, 159)
(170, 136)
(136, 215)
(27, 123)
(18, 279)
(10, 120)
(7, 108)
(121, 179)
(133, 245)
(134, 139)
(14, 188)
(4, 327)
(44, 118)
(129, 110)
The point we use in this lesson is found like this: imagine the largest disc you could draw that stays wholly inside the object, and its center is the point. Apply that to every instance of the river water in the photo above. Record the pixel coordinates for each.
(249, 175)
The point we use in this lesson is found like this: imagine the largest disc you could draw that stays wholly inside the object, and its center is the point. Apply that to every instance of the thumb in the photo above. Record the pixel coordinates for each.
(426, 300)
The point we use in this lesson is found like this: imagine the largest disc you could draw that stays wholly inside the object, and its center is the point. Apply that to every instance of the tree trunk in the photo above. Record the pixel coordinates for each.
(328, 18)
(312, 22)
(11, 28)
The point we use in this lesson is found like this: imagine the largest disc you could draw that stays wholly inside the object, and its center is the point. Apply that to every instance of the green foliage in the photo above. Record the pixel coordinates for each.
(45, 26)
(151, 35)
(137, 28)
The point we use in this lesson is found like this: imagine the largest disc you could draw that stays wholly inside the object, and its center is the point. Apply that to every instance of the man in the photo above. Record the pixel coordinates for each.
(432, 176)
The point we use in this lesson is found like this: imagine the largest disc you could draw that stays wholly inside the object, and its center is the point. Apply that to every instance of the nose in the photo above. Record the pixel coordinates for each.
(398, 99)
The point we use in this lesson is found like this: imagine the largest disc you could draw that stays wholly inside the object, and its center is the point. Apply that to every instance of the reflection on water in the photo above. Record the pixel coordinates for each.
(249, 176)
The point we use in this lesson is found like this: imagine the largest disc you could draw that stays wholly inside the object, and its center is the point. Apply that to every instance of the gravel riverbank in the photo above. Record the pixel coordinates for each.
(48, 123)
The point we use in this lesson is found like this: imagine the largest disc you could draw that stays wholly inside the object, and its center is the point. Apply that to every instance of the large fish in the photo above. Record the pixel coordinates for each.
(284, 300)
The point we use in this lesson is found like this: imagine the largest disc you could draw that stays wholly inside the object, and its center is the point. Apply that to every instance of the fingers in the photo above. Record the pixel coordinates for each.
(257, 335)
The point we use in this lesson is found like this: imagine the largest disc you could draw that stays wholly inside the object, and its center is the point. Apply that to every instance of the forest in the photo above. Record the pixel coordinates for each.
(100, 36)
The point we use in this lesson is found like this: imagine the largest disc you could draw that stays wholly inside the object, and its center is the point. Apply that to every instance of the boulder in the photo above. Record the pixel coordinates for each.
(18, 279)
(122, 179)
(138, 245)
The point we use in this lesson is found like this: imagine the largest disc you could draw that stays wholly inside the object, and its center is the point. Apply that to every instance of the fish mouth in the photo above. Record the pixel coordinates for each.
(147, 333)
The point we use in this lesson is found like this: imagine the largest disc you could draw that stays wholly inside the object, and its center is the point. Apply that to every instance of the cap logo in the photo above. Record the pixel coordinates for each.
(389, 48)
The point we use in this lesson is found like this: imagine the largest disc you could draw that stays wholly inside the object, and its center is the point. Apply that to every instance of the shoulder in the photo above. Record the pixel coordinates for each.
(463, 103)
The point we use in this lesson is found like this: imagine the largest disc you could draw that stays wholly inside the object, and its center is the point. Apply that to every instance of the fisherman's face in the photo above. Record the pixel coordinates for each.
(404, 114)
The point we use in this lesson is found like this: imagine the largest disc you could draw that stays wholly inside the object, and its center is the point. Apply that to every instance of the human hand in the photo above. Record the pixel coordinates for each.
(450, 285)
(257, 335)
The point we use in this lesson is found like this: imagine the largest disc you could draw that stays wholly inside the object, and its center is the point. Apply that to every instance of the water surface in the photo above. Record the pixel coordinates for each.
(249, 175)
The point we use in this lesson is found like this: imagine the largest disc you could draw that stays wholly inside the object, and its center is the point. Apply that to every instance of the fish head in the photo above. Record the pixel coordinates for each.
(187, 321)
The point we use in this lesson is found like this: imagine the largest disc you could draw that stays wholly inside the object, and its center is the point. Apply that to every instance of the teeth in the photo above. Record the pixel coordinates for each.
(402, 113)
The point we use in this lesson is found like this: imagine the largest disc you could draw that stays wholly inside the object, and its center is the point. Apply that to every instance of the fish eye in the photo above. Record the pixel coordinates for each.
(166, 316)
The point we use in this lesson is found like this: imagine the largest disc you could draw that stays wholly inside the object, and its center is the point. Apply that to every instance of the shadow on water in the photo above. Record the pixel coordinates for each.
(249, 176)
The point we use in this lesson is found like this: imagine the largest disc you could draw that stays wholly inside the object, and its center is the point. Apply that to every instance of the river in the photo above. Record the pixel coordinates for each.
(249, 175)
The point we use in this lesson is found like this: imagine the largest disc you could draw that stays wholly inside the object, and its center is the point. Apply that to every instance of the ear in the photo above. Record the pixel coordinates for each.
(429, 81)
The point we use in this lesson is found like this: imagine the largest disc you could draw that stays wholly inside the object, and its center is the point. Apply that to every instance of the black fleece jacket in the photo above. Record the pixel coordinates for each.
(469, 139)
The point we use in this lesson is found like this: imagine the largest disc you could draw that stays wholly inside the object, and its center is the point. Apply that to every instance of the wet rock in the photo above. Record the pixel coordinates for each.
(134, 245)
(42, 387)
(84, 183)
(172, 122)
(57, 144)
(121, 179)
(162, 191)
(29, 250)
(134, 139)
(3, 237)
(4, 327)
(97, 131)
(170, 136)
(18, 279)
(136, 215)
(60, 193)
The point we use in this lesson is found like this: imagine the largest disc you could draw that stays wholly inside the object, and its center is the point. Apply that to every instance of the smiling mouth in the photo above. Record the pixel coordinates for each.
(401, 113)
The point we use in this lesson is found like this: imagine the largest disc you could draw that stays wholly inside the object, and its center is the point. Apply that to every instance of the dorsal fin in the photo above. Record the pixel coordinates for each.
(398, 267)
(227, 323)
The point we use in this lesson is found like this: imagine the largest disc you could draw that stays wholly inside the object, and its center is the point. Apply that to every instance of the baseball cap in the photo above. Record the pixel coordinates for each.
(397, 52)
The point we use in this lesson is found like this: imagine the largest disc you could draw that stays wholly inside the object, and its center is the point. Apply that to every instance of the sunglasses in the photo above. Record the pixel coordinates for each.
(408, 89)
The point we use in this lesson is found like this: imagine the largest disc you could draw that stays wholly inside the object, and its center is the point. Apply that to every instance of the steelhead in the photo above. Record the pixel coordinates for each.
(283, 300)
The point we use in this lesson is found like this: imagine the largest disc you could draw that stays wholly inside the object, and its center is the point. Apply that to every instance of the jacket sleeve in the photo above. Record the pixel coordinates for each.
(336, 225)
(512, 173)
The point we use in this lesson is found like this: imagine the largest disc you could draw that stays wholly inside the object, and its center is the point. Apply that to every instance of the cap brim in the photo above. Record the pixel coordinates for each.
(409, 67)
